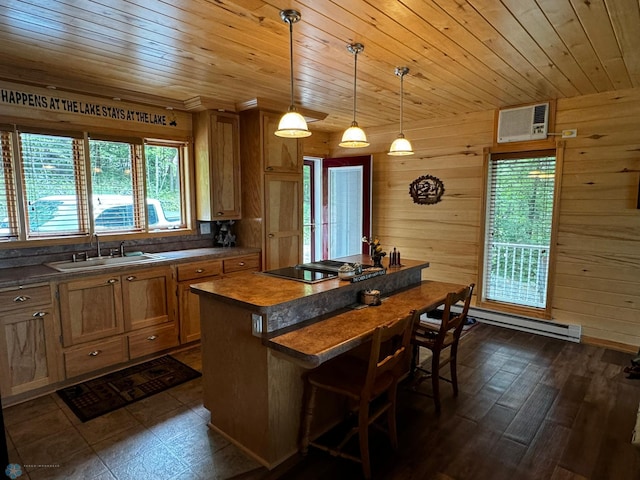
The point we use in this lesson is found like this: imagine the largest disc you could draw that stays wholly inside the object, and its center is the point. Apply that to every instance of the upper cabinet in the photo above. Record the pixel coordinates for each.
(217, 156)
(281, 155)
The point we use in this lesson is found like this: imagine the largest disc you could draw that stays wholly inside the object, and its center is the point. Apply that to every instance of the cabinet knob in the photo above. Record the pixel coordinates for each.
(200, 270)
(152, 337)
(131, 278)
(112, 281)
(39, 314)
(271, 235)
(95, 353)
(220, 214)
(268, 169)
(21, 298)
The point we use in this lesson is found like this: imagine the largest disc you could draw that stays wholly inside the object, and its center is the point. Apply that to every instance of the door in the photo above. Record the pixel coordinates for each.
(346, 205)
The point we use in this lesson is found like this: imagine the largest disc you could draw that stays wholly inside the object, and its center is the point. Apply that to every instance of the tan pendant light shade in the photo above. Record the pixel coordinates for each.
(292, 124)
(401, 146)
(354, 136)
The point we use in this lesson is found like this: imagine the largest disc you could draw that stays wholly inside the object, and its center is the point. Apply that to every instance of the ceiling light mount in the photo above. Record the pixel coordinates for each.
(292, 124)
(354, 136)
(401, 146)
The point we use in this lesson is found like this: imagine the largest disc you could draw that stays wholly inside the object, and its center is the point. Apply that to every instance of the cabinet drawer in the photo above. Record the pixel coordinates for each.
(194, 270)
(151, 340)
(248, 262)
(25, 297)
(95, 356)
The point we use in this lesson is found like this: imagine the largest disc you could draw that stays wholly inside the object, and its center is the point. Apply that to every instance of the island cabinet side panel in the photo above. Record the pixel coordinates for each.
(234, 376)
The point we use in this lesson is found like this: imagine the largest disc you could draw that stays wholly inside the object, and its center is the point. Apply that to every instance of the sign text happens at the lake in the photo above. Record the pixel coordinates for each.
(94, 109)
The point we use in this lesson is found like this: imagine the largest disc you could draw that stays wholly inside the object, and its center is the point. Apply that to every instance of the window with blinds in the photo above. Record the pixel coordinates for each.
(518, 228)
(46, 177)
(52, 171)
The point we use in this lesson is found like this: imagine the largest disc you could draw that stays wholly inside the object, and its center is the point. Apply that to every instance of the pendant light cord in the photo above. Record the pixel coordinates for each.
(355, 76)
(401, 100)
(291, 107)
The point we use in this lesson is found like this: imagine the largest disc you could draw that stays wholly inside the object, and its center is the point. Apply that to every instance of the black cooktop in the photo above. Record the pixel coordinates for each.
(302, 274)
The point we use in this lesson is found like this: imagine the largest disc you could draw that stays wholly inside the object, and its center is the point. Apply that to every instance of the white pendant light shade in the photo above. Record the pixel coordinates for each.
(354, 136)
(401, 146)
(292, 124)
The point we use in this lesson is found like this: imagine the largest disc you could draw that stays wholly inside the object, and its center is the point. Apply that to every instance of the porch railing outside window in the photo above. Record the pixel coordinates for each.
(518, 274)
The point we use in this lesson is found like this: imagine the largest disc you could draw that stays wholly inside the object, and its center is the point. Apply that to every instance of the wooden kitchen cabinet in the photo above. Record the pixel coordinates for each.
(109, 319)
(283, 220)
(217, 156)
(90, 309)
(198, 272)
(281, 155)
(28, 349)
(271, 190)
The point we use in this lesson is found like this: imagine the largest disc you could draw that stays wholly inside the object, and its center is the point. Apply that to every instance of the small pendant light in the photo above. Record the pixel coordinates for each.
(401, 146)
(354, 136)
(292, 124)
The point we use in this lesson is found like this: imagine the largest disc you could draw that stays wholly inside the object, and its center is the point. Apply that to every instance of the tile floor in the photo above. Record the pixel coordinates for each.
(161, 437)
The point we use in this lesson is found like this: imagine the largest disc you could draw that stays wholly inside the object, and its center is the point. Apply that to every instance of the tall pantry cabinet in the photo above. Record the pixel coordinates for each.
(271, 190)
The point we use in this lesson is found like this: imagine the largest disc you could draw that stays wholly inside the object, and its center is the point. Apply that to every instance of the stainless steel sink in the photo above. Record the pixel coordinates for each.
(98, 263)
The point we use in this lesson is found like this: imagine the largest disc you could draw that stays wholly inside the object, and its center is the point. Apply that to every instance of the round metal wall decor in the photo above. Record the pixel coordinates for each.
(426, 190)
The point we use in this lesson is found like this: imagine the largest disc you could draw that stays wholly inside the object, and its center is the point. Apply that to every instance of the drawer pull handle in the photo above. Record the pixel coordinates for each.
(95, 353)
(131, 278)
(200, 270)
(220, 214)
(21, 298)
(112, 281)
(152, 337)
(39, 314)
(241, 264)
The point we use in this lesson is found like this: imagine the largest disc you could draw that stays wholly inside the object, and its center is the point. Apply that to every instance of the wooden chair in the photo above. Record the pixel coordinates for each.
(438, 339)
(363, 381)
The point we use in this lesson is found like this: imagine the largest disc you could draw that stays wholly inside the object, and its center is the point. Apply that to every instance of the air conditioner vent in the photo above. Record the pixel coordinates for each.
(523, 123)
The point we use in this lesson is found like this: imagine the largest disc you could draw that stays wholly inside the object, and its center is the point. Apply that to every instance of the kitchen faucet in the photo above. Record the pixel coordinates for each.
(98, 245)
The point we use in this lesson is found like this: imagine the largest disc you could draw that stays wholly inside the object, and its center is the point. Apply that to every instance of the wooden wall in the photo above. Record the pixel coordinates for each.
(597, 272)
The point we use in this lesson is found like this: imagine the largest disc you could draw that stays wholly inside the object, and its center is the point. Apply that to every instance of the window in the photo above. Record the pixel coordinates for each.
(518, 228)
(44, 188)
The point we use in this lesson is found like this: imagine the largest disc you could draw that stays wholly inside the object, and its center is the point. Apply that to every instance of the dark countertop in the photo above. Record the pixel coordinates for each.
(18, 276)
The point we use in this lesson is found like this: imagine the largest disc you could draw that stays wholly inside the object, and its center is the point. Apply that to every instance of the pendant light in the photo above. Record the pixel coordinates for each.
(354, 136)
(292, 124)
(401, 146)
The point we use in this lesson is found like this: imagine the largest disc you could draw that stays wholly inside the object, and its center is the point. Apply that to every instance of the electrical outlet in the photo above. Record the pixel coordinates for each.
(205, 228)
(572, 133)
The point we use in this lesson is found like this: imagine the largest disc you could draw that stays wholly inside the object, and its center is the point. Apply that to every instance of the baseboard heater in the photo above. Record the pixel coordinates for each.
(570, 333)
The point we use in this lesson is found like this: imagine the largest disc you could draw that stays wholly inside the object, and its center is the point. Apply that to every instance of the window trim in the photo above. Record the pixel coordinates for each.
(542, 313)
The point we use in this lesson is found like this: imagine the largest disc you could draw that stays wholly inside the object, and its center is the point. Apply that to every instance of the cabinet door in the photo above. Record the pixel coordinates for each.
(280, 154)
(189, 310)
(28, 338)
(90, 309)
(147, 298)
(217, 152)
(283, 220)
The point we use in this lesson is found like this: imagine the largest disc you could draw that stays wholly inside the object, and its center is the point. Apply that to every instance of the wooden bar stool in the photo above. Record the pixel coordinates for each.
(438, 339)
(362, 382)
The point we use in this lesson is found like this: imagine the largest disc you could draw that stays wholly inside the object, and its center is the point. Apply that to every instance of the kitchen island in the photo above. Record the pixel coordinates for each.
(260, 333)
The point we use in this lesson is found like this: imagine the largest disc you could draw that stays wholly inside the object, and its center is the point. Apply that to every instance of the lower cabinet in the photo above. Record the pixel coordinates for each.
(110, 319)
(28, 350)
(198, 272)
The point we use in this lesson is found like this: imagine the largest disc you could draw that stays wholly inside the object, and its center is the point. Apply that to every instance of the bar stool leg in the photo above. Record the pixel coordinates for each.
(363, 427)
(435, 379)
(310, 403)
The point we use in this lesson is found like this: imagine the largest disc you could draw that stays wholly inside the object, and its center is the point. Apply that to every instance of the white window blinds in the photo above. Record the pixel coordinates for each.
(518, 228)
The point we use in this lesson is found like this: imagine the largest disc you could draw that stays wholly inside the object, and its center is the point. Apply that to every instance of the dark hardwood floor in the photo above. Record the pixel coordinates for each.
(530, 408)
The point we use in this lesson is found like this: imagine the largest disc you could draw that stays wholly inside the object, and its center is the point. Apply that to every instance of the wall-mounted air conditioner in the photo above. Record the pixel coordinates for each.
(523, 123)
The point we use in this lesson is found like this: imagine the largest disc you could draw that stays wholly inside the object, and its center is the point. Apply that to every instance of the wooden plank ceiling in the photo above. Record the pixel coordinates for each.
(463, 55)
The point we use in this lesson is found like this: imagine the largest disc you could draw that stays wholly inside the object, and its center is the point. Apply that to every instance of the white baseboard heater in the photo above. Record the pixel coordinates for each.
(547, 328)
